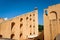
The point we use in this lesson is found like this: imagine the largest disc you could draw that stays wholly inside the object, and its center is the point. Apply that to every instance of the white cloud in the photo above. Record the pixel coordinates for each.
(5, 18)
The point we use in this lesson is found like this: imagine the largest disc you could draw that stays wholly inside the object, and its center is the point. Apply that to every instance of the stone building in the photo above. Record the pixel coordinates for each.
(21, 27)
(52, 22)
(1, 20)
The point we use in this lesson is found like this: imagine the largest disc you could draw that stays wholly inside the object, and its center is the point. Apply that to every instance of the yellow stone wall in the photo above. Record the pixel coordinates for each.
(1, 20)
(20, 27)
(51, 22)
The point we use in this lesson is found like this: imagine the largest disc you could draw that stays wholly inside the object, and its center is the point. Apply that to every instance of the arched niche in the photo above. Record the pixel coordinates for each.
(0, 36)
(12, 25)
(12, 35)
(53, 15)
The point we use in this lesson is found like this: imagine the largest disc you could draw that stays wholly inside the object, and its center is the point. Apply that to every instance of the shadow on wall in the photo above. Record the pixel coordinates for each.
(57, 37)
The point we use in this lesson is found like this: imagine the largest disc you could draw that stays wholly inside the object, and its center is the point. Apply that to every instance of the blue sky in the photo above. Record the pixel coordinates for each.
(12, 8)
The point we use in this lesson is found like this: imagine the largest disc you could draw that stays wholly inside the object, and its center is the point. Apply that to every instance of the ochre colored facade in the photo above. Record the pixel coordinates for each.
(20, 27)
(1, 20)
(52, 22)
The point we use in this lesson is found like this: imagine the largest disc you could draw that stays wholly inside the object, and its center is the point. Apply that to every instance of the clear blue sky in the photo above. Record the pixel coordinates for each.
(12, 8)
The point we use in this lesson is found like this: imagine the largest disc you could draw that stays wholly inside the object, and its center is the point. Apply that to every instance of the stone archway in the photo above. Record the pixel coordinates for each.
(53, 23)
